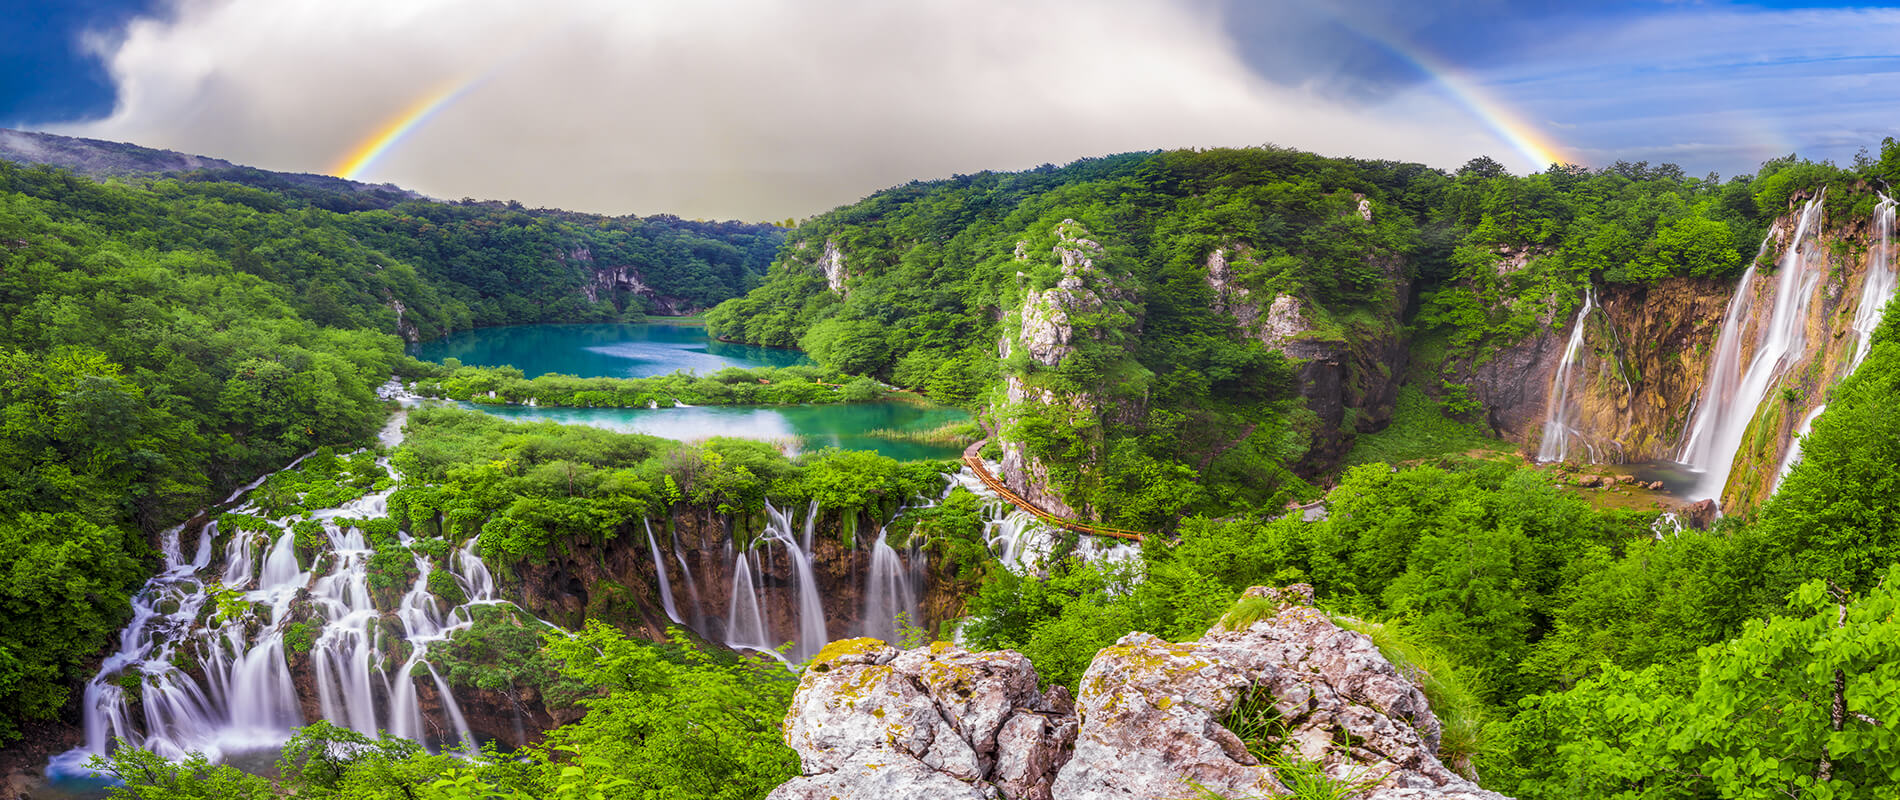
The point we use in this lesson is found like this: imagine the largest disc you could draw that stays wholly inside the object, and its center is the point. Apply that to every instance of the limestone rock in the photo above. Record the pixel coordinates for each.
(1151, 713)
(870, 721)
(832, 262)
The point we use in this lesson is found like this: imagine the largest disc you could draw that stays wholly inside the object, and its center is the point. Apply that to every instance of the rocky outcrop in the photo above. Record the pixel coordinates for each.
(1087, 302)
(615, 282)
(1342, 372)
(869, 721)
(1151, 720)
(832, 263)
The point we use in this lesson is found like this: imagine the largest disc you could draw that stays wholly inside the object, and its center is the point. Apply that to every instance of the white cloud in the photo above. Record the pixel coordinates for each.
(719, 108)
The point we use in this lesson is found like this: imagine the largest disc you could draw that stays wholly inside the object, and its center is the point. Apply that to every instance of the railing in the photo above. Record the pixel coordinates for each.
(982, 471)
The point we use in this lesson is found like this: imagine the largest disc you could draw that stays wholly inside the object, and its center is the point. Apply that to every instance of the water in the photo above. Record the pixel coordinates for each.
(223, 687)
(602, 350)
(1557, 427)
(843, 425)
(1878, 289)
(1731, 396)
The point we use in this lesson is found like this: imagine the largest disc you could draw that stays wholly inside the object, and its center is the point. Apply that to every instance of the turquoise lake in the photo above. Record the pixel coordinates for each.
(602, 350)
(647, 349)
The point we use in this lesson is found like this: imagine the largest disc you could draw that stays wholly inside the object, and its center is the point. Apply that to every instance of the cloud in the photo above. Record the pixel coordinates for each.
(1719, 89)
(719, 108)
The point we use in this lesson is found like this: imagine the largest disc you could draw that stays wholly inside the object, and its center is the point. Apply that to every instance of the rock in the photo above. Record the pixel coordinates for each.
(1151, 712)
(1656, 485)
(832, 262)
(1700, 515)
(870, 721)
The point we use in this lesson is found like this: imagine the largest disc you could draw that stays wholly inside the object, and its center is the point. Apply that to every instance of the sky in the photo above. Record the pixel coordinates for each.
(769, 109)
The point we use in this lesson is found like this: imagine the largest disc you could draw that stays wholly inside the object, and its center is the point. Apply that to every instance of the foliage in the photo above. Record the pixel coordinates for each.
(730, 386)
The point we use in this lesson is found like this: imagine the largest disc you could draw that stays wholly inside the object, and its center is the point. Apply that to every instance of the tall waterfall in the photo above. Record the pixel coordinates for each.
(186, 678)
(1557, 421)
(1878, 288)
(1731, 395)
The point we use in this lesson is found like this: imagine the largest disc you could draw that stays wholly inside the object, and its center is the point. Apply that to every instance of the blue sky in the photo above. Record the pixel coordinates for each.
(774, 108)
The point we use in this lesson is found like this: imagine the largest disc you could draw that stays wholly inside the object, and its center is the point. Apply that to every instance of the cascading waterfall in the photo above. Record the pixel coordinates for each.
(1557, 423)
(220, 683)
(659, 570)
(888, 593)
(1794, 448)
(1878, 288)
(1731, 396)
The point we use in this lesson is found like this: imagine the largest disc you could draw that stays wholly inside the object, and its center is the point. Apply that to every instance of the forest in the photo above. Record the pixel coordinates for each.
(169, 340)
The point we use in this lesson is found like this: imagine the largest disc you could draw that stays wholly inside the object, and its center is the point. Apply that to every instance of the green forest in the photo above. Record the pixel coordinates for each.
(168, 340)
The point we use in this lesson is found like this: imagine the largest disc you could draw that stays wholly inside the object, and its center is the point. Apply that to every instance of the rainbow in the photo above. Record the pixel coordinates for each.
(1537, 150)
(352, 165)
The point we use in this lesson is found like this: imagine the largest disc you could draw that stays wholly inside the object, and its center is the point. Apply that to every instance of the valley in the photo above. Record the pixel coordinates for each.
(550, 541)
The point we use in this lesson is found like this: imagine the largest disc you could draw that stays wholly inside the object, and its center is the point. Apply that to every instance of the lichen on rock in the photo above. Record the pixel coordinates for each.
(870, 721)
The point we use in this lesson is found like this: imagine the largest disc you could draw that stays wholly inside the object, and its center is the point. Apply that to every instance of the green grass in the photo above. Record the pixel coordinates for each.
(1461, 715)
(1420, 431)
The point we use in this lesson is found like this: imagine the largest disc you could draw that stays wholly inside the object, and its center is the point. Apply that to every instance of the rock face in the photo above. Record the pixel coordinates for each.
(940, 722)
(1087, 302)
(1646, 357)
(869, 721)
(1341, 373)
(615, 281)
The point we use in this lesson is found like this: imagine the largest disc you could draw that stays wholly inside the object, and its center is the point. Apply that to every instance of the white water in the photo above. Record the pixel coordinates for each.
(888, 593)
(1730, 395)
(659, 569)
(220, 687)
(1878, 288)
(1794, 448)
(1558, 426)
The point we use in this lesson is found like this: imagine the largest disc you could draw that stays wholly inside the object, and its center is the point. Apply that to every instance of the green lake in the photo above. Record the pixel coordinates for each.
(642, 350)
(602, 350)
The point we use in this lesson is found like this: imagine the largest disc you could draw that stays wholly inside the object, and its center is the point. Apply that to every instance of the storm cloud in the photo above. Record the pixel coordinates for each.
(724, 108)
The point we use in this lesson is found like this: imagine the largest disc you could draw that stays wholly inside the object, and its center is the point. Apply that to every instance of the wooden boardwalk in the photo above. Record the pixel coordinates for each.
(982, 471)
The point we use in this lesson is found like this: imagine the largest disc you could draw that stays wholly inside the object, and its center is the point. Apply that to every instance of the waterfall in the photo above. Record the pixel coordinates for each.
(745, 623)
(220, 686)
(659, 570)
(888, 592)
(1794, 447)
(1557, 423)
(1878, 287)
(1730, 396)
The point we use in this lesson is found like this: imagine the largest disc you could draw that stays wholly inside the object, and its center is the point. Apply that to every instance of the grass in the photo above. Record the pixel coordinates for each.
(1460, 713)
(950, 433)
(1247, 612)
(1420, 431)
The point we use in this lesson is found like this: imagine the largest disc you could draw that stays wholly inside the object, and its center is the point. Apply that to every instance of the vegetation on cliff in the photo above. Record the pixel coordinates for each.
(165, 340)
(1166, 392)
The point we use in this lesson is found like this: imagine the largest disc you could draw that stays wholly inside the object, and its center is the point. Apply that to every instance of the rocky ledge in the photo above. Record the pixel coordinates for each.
(870, 721)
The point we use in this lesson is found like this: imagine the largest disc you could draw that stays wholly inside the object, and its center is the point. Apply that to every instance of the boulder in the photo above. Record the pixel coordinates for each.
(869, 721)
(872, 722)
(1151, 713)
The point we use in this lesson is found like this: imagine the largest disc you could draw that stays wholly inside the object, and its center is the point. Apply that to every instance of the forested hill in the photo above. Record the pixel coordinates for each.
(1171, 332)
(166, 339)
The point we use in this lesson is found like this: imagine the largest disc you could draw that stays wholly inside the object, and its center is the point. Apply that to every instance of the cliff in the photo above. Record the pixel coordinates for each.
(1650, 355)
(1244, 711)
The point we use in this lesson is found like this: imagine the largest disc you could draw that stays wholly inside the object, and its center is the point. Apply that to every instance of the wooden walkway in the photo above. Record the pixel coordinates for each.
(982, 471)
